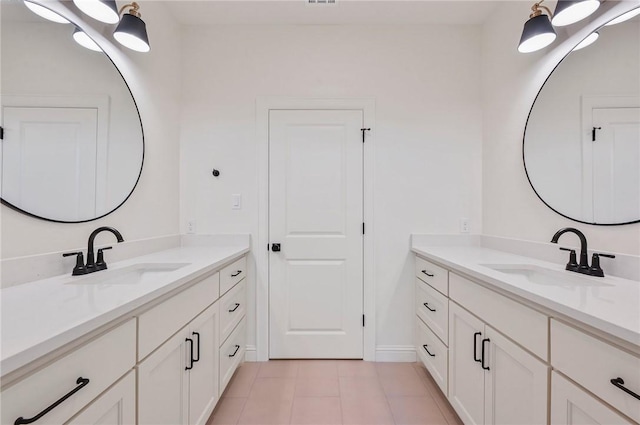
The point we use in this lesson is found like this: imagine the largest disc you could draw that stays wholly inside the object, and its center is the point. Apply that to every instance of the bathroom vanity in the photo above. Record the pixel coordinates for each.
(511, 339)
(163, 332)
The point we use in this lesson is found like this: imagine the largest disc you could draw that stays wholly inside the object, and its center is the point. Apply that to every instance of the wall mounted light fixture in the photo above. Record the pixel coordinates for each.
(45, 13)
(131, 32)
(84, 40)
(538, 31)
(103, 10)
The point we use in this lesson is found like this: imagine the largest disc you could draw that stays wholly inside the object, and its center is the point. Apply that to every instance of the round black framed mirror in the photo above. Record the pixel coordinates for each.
(581, 146)
(73, 142)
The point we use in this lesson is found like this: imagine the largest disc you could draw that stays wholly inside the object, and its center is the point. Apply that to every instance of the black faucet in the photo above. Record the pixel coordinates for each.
(91, 265)
(583, 266)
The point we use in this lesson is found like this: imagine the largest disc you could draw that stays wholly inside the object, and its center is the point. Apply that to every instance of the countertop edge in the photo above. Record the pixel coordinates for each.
(39, 352)
(546, 303)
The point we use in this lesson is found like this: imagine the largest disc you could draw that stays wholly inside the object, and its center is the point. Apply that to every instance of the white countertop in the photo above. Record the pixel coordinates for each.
(613, 308)
(42, 316)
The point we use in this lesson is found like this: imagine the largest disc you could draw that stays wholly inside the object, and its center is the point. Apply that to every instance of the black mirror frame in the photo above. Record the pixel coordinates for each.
(135, 104)
(524, 135)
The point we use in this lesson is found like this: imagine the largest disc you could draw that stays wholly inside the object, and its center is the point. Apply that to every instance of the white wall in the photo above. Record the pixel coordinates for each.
(153, 208)
(510, 81)
(427, 138)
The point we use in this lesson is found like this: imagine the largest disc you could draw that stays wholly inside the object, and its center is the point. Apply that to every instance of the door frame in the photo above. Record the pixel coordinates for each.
(264, 105)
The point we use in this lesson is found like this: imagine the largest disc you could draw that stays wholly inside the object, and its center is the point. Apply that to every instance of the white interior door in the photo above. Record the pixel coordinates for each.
(316, 214)
(49, 160)
(616, 170)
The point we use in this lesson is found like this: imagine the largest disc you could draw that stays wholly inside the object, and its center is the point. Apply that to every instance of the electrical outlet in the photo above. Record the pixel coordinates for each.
(464, 225)
(191, 226)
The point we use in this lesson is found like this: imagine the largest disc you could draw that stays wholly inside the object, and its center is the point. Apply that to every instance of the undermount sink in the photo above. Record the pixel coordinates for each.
(543, 276)
(134, 274)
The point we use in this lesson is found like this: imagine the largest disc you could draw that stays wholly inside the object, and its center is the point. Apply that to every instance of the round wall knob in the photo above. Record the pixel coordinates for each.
(215, 173)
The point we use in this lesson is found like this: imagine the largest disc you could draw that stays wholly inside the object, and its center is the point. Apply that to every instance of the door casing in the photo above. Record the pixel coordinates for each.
(263, 106)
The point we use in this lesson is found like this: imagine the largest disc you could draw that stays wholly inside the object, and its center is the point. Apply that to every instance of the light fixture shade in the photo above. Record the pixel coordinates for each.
(85, 41)
(103, 10)
(537, 34)
(570, 11)
(624, 17)
(589, 40)
(45, 13)
(132, 33)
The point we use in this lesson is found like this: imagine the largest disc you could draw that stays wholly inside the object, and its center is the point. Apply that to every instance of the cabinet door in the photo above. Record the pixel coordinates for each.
(515, 384)
(117, 406)
(466, 376)
(203, 378)
(572, 406)
(163, 383)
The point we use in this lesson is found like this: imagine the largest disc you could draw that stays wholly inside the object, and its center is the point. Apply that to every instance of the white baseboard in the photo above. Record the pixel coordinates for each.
(251, 354)
(396, 353)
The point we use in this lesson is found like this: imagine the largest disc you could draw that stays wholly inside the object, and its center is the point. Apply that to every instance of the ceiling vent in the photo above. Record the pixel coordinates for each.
(321, 1)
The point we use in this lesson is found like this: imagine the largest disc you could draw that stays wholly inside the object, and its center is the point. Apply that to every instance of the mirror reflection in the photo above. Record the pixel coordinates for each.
(582, 140)
(73, 144)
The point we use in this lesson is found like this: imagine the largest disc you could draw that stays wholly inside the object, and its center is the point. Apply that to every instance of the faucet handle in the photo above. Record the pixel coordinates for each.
(79, 269)
(572, 265)
(100, 264)
(595, 269)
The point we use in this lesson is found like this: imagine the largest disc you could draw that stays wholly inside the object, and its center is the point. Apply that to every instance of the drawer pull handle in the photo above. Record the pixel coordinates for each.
(475, 346)
(427, 350)
(235, 352)
(234, 308)
(198, 347)
(619, 382)
(190, 341)
(236, 273)
(80, 382)
(482, 363)
(428, 308)
(427, 273)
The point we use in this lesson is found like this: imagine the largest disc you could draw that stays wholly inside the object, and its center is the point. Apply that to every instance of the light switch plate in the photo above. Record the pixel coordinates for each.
(236, 201)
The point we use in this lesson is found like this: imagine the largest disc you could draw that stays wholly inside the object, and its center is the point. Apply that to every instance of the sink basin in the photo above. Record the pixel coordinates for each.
(134, 274)
(543, 276)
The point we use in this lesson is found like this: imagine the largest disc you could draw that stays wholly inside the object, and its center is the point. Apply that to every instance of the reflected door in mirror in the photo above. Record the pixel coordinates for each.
(50, 160)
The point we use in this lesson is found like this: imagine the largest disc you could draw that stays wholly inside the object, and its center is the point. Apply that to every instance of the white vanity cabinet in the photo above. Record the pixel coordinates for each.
(432, 320)
(494, 372)
(491, 379)
(177, 383)
(166, 362)
(610, 373)
(570, 405)
(61, 389)
(117, 406)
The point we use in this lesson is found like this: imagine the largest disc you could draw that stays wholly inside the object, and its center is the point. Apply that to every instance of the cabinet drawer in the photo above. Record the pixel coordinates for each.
(232, 354)
(233, 307)
(160, 322)
(525, 326)
(101, 361)
(433, 308)
(434, 275)
(571, 405)
(593, 363)
(232, 274)
(117, 406)
(433, 353)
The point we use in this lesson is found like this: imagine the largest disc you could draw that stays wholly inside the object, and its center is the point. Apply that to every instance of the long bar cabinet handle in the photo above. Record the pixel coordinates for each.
(80, 382)
(619, 382)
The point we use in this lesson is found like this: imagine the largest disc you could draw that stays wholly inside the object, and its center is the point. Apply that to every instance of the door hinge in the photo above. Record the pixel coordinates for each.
(363, 228)
(364, 130)
(1, 133)
(363, 320)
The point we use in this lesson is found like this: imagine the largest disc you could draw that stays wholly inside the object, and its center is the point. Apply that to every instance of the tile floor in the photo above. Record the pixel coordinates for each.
(328, 392)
